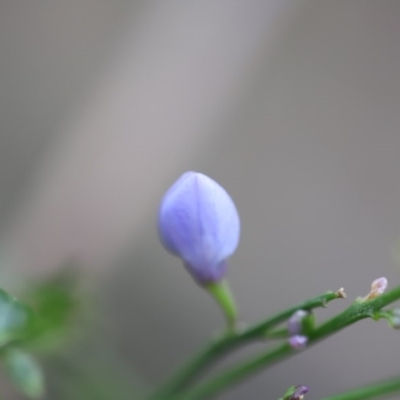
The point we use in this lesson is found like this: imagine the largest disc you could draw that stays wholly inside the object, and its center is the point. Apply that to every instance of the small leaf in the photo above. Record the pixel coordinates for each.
(15, 318)
(25, 373)
(56, 306)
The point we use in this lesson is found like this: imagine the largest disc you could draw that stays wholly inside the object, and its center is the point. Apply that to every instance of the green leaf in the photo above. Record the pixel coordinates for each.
(15, 318)
(91, 370)
(57, 305)
(25, 373)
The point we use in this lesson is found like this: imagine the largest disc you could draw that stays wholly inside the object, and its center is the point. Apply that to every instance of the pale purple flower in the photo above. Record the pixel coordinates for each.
(199, 223)
(298, 342)
(378, 287)
(296, 392)
(295, 322)
(300, 391)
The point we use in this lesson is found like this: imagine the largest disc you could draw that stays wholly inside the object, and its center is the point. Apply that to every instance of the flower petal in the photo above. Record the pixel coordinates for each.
(199, 223)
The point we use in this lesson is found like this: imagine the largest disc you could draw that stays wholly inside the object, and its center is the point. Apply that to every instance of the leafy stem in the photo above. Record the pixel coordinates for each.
(355, 312)
(231, 341)
(370, 391)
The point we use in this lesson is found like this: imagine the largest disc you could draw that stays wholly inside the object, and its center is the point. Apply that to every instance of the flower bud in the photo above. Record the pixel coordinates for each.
(298, 342)
(295, 393)
(295, 323)
(199, 223)
(300, 391)
(378, 287)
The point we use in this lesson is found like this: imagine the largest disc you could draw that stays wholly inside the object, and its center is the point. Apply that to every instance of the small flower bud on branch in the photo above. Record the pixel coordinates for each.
(199, 223)
(295, 322)
(295, 393)
(298, 342)
(378, 287)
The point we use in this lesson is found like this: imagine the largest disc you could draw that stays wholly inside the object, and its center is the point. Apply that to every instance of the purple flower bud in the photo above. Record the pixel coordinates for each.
(298, 342)
(295, 322)
(378, 287)
(296, 392)
(300, 391)
(199, 223)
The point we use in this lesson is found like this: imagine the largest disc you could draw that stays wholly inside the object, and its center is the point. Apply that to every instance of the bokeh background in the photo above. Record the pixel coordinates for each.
(292, 105)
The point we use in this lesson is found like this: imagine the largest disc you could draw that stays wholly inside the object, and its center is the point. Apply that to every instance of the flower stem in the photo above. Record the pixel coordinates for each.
(354, 313)
(220, 382)
(222, 294)
(231, 341)
(369, 392)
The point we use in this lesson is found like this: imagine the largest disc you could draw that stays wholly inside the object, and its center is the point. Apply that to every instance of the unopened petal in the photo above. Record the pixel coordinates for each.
(198, 222)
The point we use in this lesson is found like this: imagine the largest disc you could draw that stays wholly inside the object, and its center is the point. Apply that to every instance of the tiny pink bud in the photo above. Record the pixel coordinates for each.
(298, 342)
(378, 287)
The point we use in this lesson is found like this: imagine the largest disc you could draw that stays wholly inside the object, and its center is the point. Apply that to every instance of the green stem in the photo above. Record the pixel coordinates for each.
(224, 298)
(230, 341)
(220, 382)
(369, 392)
(354, 313)
(278, 333)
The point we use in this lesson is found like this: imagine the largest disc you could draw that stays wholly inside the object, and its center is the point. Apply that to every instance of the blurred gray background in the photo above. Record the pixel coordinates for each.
(292, 105)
